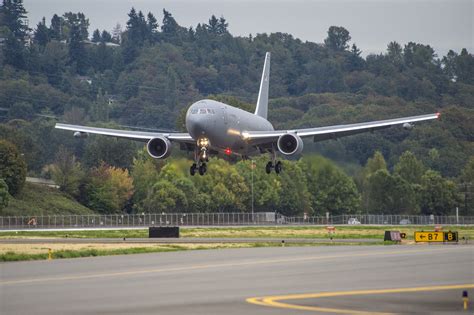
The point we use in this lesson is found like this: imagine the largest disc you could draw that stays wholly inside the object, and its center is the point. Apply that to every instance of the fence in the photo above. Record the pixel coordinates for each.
(215, 219)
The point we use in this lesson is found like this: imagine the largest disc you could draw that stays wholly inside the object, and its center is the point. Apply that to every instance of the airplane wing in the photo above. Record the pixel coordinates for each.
(128, 134)
(334, 132)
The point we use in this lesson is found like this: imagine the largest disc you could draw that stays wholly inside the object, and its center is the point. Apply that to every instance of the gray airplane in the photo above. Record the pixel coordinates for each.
(214, 127)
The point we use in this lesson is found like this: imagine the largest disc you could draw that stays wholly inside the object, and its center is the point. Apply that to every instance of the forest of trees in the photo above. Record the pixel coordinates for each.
(147, 73)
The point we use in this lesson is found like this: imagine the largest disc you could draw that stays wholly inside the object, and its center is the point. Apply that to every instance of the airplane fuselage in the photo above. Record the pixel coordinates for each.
(223, 125)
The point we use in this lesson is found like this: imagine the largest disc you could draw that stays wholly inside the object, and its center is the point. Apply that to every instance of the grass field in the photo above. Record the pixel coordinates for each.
(342, 232)
(42, 200)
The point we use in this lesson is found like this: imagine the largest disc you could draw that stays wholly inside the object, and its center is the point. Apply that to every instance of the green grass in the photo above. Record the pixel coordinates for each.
(42, 200)
(342, 232)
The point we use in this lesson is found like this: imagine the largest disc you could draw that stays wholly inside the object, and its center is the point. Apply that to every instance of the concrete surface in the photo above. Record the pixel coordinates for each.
(221, 281)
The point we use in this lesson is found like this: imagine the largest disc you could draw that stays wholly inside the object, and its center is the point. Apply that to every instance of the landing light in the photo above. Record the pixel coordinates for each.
(438, 114)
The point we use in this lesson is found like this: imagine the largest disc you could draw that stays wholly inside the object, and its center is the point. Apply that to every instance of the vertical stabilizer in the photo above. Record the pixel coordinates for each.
(262, 102)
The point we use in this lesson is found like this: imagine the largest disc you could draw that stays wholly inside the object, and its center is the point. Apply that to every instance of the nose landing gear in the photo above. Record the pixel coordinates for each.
(201, 157)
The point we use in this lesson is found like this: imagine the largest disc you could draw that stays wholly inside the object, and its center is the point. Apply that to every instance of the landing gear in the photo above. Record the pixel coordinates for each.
(202, 169)
(201, 157)
(192, 169)
(278, 167)
(270, 166)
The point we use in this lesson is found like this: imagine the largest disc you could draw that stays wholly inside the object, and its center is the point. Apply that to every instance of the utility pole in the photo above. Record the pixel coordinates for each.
(252, 166)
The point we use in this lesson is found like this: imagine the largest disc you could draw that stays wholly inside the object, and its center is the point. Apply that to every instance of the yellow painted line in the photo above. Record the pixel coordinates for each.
(210, 266)
(273, 300)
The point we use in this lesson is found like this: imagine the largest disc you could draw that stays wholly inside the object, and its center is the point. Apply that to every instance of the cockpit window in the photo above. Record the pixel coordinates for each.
(202, 111)
(194, 111)
(210, 111)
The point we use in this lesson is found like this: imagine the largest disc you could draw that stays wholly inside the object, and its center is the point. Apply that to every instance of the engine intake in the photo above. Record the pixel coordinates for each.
(159, 148)
(290, 144)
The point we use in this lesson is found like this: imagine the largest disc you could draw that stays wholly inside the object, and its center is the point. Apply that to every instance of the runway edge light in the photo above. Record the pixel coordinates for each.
(465, 299)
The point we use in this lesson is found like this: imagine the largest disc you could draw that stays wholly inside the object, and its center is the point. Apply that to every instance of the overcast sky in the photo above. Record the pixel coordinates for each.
(443, 24)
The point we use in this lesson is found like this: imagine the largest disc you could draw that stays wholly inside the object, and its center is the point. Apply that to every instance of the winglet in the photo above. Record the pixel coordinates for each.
(262, 102)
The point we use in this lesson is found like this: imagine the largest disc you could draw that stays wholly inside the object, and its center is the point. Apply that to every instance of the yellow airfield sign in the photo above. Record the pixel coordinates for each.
(429, 236)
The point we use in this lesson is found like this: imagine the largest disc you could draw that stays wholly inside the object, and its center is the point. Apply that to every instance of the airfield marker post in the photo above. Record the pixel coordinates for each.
(465, 299)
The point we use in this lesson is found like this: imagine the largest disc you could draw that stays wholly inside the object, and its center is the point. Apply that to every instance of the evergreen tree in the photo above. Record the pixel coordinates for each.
(12, 15)
(42, 33)
(152, 26)
(222, 26)
(213, 26)
(77, 51)
(96, 36)
(106, 37)
(56, 27)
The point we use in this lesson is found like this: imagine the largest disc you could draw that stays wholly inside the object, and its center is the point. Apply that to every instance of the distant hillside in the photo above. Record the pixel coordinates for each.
(42, 200)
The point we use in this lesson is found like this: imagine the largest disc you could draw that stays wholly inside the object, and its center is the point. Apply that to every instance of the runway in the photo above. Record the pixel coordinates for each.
(328, 279)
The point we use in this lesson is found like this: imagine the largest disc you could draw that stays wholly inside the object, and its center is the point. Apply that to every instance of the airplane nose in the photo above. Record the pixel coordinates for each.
(195, 125)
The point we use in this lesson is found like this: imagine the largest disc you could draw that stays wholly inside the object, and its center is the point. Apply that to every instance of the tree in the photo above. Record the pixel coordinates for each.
(67, 172)
(13, 50)
(395, 53)
(152, 26)
(56, 28)
(77, 52)
(12, 15)
(108, 189)
(213, 25)
(330, 189)
(79, 22)
(466, 180)
(355, 61)
(337, 38)
(409, 168)
(41, 35)
(222, 26)
(438, 195)
(106, 37)
(12, 167)
(21, 110)
(389, 194)
(377, 162)
(96, 36)
(294, 197)
(117, 34)
(4, 195)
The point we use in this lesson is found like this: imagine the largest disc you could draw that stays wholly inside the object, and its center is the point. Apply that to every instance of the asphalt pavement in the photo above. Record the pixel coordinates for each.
(420, 279)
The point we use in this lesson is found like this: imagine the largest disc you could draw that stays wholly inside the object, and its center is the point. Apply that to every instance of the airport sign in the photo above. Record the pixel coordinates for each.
(436, 236)
(429, 236)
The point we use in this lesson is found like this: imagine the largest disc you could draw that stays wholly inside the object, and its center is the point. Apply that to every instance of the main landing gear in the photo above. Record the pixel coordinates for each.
(201, 157)
(201, 169)
(270, 165)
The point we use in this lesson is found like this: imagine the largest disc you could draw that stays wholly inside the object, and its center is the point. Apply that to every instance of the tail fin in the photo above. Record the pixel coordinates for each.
(262, 102)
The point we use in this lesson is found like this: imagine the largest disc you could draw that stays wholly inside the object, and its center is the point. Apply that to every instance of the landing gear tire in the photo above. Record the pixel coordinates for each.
(202, 169)
(268, 167)
(192, 169)
(278, 167)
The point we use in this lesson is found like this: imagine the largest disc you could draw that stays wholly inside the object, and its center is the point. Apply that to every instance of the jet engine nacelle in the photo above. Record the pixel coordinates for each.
(290, 144)
(407, 126)
(79, 134)
(159, 148)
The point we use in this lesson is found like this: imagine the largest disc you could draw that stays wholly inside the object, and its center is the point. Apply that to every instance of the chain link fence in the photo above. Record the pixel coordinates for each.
(216, 219)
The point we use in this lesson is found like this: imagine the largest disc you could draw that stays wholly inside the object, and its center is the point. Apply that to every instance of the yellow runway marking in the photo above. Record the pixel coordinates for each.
(273, 300)
(210, 266)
